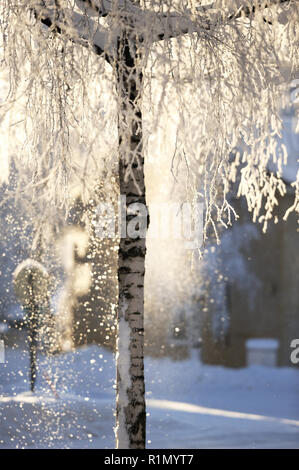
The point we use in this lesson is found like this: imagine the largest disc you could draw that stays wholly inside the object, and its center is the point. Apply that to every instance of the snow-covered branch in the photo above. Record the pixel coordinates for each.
(98, 8)
(207, 17)
(247, 10)
(157, 26)
(79, 28)
(149, 25)
(153, 25)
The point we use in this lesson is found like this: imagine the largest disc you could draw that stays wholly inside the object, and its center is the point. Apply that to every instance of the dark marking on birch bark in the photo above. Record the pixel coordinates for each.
(124, 269)
(134, 252)
(128, 296)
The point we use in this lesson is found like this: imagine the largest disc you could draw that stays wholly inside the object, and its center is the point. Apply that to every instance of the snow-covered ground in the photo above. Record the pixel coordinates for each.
(189, 405)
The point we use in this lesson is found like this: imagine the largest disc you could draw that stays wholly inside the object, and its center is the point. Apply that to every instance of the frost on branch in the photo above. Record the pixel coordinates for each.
(222, 69)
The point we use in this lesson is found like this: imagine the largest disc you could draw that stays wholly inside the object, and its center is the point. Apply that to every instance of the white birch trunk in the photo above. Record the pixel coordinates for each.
(131, 416)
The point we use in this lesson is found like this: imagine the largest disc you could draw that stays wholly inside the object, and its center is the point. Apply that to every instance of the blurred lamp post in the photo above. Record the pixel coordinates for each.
(31, 284)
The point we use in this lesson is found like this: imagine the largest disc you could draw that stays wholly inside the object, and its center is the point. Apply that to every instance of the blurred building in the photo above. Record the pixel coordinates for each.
(266, 304)
(261, 279)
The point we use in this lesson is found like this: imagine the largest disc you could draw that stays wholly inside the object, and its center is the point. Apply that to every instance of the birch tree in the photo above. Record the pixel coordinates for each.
(86, 68)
